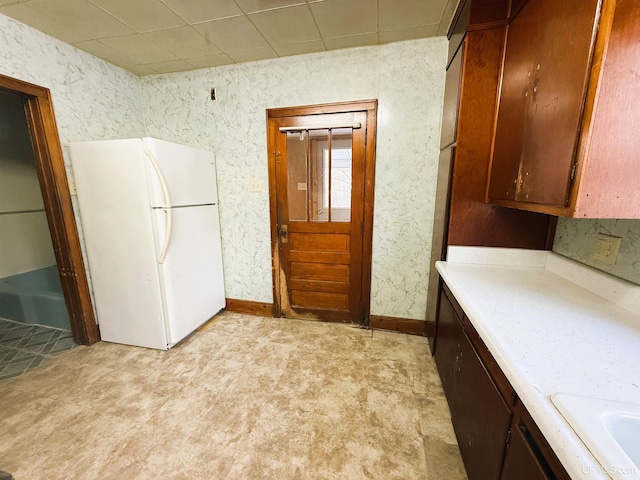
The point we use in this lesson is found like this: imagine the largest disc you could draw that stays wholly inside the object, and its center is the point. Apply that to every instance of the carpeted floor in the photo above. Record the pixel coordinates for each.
(243, 398)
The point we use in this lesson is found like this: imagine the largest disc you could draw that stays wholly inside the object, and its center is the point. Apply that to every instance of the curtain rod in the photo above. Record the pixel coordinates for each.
(314, 127)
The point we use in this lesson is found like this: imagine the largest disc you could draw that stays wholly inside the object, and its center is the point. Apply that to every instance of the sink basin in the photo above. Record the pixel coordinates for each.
(625, 429)
(610, 430)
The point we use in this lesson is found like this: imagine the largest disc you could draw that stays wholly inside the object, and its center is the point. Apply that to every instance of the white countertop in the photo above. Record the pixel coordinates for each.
(549, 332)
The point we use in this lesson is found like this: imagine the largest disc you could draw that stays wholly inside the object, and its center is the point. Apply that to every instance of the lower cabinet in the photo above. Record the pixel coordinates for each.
(493, 429)
(521, 461)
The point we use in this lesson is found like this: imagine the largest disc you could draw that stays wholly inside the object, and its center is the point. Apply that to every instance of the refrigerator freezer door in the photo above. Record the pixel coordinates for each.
(189, 174)
(191, 274)
(112, 199)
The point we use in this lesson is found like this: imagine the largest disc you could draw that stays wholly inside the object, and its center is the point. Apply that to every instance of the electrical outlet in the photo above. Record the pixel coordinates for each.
(255, 185)
(607, 248)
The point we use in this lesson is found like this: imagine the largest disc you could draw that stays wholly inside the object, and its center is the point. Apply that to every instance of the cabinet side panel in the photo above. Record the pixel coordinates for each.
(438, 246)
(472, 221)
(609, 185)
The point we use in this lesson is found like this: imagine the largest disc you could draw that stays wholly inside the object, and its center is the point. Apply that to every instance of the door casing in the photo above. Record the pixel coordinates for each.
(58, 208)
(370, 108)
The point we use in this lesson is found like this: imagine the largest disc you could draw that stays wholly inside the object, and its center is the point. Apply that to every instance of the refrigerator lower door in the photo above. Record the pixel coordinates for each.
(191, 275)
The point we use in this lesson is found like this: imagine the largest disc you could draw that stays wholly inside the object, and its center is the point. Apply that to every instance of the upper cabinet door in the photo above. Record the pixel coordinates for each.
(566, 36)
(514, 101)
(546, 66)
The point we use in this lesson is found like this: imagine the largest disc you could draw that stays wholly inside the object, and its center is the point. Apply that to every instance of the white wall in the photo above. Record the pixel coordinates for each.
(92, 99)
(408, 80)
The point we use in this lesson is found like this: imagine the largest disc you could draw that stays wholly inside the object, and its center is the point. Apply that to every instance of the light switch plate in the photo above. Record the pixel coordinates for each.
(606, 250)
(255, 185)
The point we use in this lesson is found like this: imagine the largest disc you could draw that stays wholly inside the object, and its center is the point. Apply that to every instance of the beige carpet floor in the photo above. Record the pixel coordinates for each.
(243, 398)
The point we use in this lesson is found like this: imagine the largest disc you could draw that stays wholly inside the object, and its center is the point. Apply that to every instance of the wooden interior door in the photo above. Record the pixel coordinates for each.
(319, 188)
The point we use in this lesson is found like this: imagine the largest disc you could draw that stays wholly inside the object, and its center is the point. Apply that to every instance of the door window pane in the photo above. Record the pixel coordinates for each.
(338, 178)
(297, 171)
(319, 169)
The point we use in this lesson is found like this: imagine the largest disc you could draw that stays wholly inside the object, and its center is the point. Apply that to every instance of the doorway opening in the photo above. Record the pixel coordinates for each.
(321, 181)
(42, 274)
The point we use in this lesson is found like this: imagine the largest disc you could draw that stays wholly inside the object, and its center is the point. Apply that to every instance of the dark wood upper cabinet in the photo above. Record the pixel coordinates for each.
(567, 76)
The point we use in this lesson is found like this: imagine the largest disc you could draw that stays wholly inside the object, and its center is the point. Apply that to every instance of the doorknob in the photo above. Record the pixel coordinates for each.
(282, 233)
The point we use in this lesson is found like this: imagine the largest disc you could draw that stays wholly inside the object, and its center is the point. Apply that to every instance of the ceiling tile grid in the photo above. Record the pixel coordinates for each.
(150, 37)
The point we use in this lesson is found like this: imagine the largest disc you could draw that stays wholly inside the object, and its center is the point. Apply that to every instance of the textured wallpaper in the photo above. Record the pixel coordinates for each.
(576, 239)
(408, 80)
(92, 98)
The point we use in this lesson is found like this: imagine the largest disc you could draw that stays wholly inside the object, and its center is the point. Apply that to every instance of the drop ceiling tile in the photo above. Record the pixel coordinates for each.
(170, 66)
(141, 15)
(396, 14)
(141, 70)
(211, 61)
(142, 50)
(27, 15)
(251, 6)
(232, 34)
(337, 18)
(412, 33)
(81, 16)
(351, 41)
(198, 11)
(300, 48)
(184, 42)
(285, 26)
(253, 55)
(105, 52)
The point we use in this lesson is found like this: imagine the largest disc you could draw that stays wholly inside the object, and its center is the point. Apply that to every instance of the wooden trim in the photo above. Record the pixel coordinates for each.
(340, 107)
(369, 194)
(401, 325)
(275, 252)
(57, 203)
(371, 109)
(249, 307)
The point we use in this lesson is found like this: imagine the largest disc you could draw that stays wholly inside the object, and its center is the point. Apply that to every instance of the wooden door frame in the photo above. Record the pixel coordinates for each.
(370, 107)
(57, 205)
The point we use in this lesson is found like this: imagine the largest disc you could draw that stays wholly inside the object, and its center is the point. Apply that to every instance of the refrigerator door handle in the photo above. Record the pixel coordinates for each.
(167, 201)
(163, 182)
(167, 235)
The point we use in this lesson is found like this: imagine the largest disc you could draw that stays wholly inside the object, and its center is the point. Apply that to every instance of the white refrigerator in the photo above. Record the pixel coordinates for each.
(149, 212)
